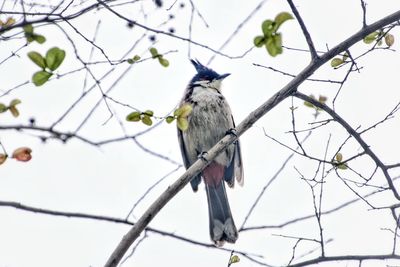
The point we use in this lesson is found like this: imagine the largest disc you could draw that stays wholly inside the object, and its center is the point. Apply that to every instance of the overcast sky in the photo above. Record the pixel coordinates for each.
(110, 179)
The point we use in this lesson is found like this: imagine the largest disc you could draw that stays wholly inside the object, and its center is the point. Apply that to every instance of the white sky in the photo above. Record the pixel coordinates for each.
(109, 180)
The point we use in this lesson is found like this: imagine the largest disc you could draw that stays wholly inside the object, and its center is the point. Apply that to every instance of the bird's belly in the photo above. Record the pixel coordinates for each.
(208, 123)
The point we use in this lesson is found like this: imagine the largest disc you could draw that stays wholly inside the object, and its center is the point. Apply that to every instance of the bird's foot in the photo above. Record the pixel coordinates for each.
(202, 156)
(232, 131)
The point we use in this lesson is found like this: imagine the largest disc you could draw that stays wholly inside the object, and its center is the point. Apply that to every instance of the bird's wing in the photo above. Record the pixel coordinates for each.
(185, 157)
(235, 167)
(186, 161)
(238, 164)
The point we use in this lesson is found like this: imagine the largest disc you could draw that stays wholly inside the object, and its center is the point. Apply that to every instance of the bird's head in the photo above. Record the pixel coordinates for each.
(206, 77)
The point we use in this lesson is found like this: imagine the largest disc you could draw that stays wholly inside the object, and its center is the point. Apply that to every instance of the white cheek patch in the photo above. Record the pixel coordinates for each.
(215, 84)
(201, 82)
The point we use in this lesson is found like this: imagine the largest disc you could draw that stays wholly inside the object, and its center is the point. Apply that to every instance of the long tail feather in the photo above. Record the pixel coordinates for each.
(222, 226)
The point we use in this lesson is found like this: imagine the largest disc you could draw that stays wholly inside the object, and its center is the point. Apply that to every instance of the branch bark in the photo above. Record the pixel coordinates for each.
(199, 165)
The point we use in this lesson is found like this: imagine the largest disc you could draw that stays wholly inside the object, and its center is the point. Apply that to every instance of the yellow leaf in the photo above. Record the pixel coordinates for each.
(234, 259)
(308, 104)
(336, 62)
(14, 111)
(182, 123)
(185, 110)
(389, 39)
(10, 21)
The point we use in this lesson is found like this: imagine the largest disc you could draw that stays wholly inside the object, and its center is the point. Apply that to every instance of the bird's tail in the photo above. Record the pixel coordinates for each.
(222, 227)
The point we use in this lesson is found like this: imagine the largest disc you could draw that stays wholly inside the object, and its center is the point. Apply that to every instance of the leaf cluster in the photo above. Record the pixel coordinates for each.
(49, 63)
(377, 36)
(181, 116)
(136, 58)
(154, 53)
(271, 38)
(338, 162)
(7, 23)
(144, 117)
(12, 107)
(31, 36)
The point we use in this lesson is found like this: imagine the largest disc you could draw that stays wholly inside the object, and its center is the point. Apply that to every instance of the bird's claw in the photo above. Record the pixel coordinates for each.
(202, 156)
(231, 131)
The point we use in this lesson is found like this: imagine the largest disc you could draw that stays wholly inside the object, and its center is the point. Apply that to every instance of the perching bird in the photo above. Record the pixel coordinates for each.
(210, 120)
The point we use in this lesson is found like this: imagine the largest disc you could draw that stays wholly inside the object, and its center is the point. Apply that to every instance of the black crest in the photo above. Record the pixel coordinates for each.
(203, 73)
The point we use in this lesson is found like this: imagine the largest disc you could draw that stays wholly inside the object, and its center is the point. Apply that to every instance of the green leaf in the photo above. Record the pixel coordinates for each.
(342, 166)
(134, 59)
(37, 59)
(54, 58)
(149, 113)
(3, 108)
(147, 120)
(370, 37)
(29, 38)
(182, 124)
(308, 104)
(39, 38)
(345, 56)
(267, 27)
(336, 62)
(28, 29)
(259, 41)
(339, 157)
(14, 102)
(281, 18)
(274, 45)
(40, 77)
(169, 119)
(153, 52)
(133, 116)
(164, 62)
(177, 112)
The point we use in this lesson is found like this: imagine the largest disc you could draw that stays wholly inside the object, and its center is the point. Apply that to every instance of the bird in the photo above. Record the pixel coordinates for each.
(208, 122)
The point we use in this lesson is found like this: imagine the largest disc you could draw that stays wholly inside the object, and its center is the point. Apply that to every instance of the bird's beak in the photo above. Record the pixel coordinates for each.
(223, 76)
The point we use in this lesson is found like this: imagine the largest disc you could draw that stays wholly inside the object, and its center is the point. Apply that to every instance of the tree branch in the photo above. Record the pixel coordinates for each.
(345, 258)
(307, 35)
(199, 165)
(356, 136)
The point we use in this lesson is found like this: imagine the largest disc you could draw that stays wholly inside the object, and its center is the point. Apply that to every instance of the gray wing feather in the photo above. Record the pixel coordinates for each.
(186, 161)
(235, 168)
(238, 164)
